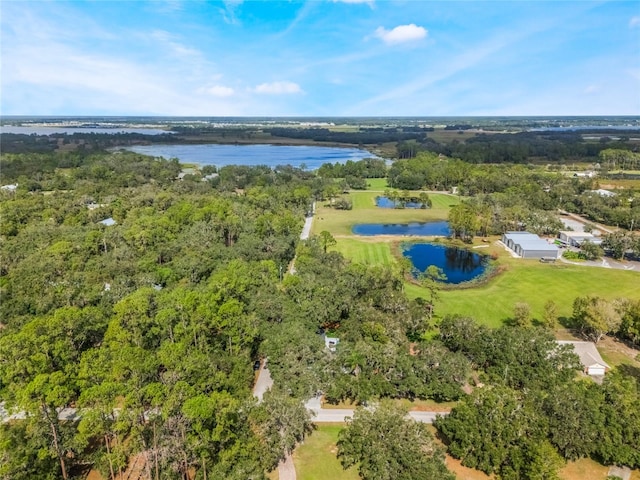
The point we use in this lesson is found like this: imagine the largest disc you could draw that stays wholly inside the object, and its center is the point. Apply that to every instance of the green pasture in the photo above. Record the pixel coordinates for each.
(521, 281)
(534, 283)
(369, 253)
(316, 458)
(340, 222)
(377, 184)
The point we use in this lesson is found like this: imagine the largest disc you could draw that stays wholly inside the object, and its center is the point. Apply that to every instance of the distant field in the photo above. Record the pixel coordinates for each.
(316, 458)
(608, 183)
(377, 184)
(534, 283)
(441, 135)
(339, 222)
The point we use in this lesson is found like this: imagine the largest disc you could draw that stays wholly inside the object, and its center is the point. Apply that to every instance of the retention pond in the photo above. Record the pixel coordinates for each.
(458, 264)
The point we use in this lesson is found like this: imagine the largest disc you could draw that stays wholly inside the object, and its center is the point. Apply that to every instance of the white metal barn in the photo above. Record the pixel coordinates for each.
(576, 239)
(529, 245)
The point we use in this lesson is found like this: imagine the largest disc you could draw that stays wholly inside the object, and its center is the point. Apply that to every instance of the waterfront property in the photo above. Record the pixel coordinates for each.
(529, 245)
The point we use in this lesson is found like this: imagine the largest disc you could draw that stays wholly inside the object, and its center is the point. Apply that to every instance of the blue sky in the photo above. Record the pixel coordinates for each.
(320, 58)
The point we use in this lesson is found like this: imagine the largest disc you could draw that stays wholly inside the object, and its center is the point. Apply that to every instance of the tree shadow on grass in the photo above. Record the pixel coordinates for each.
(630, 370)
(566, 322)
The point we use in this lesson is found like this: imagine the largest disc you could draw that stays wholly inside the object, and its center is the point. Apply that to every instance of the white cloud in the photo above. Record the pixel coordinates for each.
(217, 91)
(168, 41)
(353, 1)
(229, 11)
(634, 22)
(401, 34)
(278, 88)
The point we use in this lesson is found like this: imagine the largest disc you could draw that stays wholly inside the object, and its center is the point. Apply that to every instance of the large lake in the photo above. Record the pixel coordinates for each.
(311, 157)
(440, 228)
(458, 264)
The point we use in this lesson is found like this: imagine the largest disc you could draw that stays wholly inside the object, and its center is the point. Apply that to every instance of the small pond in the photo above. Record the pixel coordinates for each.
(384, 202)
(439, 228)
(458, 264)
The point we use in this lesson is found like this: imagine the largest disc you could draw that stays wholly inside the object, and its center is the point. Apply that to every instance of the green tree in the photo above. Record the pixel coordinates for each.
(432, 279)
(522, 314)
(281, 422)
(595, 317)
(575, 419)
(619, 440)
(490, 429)
(387, 446)
(326, 240)
(463, 221)
(591, 250)
(550, 315)
(425, 201)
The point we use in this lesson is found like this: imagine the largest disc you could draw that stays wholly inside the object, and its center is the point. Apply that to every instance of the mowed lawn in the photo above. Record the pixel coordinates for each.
(377, 183)
(316, 458)
(534, 283)
(369, 253)
(340, 222)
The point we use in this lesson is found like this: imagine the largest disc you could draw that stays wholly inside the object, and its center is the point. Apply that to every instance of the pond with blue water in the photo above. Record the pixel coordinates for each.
(437, 228)
(458, 264)
(384, 202)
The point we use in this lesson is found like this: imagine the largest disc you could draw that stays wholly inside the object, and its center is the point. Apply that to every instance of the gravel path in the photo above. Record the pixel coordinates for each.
(308, 222)
(264, 382)
(286, 469)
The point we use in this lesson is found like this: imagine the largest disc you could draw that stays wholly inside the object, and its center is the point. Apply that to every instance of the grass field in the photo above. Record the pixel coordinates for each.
(377, 184)
(316, 458)
(534, 283)
(340, 222)
(521, 281)
(369, 253)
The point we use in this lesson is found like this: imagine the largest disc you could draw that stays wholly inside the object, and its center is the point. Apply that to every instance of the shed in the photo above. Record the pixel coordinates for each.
(590, 358)
(331, 342)
(529, 245)
(603, 193)
(108, 222)
(575, 239)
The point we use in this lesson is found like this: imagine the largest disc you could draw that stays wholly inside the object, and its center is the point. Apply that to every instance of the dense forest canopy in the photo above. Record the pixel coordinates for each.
(142, 298)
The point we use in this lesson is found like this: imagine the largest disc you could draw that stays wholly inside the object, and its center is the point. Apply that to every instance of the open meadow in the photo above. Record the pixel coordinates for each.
(340, 222)
(492, 302)
(534, 283)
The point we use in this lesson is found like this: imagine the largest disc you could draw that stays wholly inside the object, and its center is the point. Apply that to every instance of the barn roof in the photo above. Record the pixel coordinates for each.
(530, 241)
(587, 351)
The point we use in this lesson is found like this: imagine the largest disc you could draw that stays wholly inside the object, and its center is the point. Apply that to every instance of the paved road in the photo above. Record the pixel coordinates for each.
(339, 415)
(286, 469)
(304, 235)
(264, 382)
(63, 414)
(308, 222)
